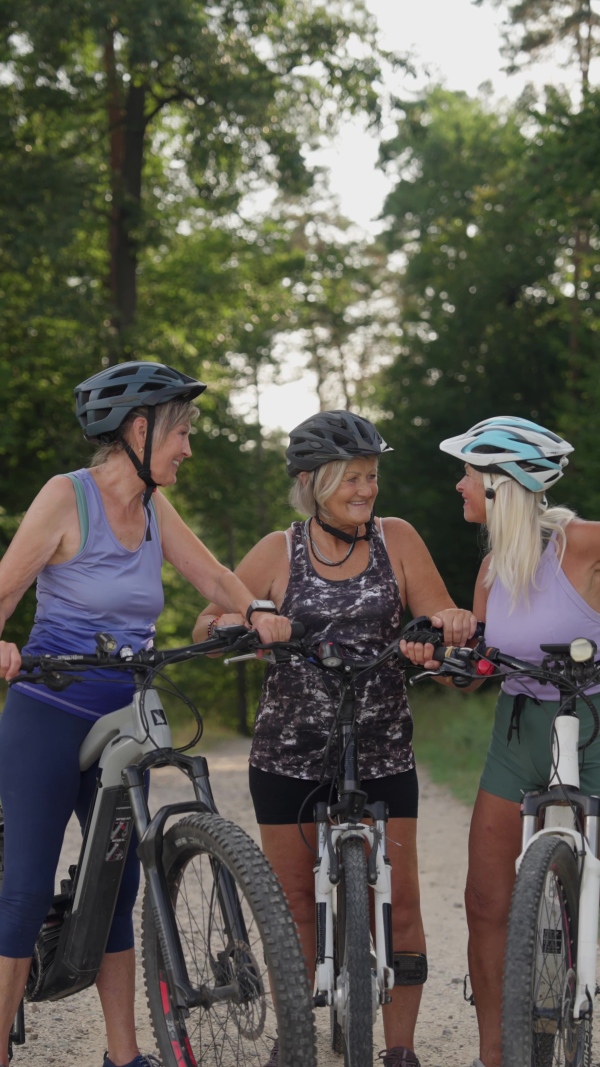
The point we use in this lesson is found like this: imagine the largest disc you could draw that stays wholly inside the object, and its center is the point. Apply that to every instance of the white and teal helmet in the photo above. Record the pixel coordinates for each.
(528, 453)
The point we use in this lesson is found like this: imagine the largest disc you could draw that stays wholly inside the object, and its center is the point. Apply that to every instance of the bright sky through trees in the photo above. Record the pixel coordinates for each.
(451, 41)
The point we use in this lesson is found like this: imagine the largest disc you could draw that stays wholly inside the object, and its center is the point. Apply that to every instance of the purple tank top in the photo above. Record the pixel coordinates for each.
(556, 613)
(104, 588)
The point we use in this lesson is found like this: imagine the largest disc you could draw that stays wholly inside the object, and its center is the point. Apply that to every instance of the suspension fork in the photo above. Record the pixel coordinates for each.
(150, 851)
(325, 975)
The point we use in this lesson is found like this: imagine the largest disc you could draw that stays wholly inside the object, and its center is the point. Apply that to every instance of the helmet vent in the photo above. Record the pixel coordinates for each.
(112, 390)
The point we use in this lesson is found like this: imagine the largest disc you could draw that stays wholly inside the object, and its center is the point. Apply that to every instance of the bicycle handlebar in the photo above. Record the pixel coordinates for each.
(224, 639)
(572, 664)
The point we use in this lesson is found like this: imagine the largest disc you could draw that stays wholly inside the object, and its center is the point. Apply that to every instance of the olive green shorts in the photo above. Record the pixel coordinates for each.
(524, 764)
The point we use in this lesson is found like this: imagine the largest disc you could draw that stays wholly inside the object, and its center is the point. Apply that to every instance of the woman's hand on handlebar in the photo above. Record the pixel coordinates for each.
(456, 625)
(271, 627)
(10, 660)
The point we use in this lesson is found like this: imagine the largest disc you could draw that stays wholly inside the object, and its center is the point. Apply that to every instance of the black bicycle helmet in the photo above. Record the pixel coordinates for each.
(104, 401)
(329, 436)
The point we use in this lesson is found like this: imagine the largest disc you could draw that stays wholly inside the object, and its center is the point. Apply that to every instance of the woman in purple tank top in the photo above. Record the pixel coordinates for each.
(348, 577)
(95, 542)
(539, 583)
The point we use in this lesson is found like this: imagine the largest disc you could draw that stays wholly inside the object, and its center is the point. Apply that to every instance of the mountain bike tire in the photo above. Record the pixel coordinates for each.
(353, 1022)
(265, 964)
(541, 963)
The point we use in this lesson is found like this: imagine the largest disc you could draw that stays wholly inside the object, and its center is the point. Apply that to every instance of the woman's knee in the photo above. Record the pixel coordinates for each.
(487, 904)
(21, 917)
(302, 903)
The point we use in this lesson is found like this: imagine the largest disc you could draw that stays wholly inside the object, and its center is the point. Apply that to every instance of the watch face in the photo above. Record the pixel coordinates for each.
(261, 605)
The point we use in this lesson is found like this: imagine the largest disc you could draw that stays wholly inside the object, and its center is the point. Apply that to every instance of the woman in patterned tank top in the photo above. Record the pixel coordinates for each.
(348, 577)
(540, 583)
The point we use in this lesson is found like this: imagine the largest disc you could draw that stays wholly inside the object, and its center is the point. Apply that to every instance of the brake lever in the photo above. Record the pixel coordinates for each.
(267, 658)
(423, 674)
(54, 680)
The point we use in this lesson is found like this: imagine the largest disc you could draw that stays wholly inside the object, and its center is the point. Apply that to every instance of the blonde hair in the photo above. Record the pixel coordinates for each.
(168, 416)
(519, 529)
(314, 489)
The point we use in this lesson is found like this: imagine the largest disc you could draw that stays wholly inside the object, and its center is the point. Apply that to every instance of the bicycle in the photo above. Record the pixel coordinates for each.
(550, 965)
(223, 967)
(354, 973)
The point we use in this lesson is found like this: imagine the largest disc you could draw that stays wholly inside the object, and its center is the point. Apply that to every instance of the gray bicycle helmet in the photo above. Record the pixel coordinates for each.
(330, 436)
(104, 401)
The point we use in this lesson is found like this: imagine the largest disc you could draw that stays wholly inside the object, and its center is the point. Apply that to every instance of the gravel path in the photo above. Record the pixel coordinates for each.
(70, 1033)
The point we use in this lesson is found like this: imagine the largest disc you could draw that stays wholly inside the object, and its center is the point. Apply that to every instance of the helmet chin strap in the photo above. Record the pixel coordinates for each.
(341, 535)
(143, 468)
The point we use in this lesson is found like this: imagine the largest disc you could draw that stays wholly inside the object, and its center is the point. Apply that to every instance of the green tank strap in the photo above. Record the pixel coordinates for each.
(82, 510)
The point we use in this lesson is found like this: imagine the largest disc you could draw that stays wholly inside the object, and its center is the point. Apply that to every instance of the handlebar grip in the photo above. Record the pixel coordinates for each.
(29, 663)
(298, 630)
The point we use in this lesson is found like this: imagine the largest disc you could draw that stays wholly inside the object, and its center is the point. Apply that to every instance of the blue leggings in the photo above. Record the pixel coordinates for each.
(40, 787)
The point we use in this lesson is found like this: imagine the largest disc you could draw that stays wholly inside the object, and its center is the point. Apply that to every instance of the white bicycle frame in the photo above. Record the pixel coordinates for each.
(329, 839)
(559, 821)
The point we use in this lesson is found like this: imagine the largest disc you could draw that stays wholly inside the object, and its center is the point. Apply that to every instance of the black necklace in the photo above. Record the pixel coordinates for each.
(319, 555)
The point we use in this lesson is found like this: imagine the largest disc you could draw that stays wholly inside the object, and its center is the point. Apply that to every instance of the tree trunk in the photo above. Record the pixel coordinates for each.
(126, 119)
(116, 152)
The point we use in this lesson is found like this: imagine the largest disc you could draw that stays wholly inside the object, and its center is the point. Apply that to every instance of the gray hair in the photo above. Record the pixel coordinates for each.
(168, 416)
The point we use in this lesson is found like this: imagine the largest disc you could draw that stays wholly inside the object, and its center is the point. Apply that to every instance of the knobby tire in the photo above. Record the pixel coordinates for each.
(540, 970)
(266, 966)
(353, 950)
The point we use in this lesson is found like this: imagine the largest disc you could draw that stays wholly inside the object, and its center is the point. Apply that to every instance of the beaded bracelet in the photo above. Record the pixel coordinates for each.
(211, 626)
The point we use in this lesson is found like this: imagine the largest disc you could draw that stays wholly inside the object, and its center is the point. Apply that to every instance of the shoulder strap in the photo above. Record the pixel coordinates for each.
(82, 510)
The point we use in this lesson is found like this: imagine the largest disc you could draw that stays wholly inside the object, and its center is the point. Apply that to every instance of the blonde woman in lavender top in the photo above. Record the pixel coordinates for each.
(539, 583)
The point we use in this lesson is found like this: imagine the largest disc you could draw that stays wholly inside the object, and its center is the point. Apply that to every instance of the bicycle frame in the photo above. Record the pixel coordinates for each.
(351, 808)
(126, 742)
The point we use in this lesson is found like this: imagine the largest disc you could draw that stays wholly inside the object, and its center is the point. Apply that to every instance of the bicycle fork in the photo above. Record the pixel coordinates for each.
(327, 877)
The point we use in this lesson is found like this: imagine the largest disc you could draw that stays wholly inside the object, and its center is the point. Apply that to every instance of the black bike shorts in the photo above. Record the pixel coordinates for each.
(277, 799)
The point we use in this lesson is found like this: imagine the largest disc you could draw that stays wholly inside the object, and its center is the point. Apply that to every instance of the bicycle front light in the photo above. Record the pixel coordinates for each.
(581, 650)
(329, 654)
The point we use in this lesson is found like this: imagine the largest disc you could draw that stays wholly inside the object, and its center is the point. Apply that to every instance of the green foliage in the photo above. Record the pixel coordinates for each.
(497, 288)
(452, 734)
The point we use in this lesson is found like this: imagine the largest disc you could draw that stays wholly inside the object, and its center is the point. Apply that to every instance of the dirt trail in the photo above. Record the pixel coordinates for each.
(70, 1033)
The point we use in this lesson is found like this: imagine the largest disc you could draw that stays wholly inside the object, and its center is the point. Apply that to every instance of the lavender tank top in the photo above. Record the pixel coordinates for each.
(104, 588)
(362, 614)
(556, 613)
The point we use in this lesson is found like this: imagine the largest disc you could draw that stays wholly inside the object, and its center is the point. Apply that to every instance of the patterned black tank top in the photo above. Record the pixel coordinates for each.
(298, 702)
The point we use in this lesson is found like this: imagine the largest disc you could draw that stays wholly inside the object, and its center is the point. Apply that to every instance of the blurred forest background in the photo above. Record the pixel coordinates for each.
(135, 139)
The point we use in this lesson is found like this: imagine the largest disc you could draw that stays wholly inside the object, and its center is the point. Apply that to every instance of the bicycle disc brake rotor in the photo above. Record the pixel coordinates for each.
(238, 966)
